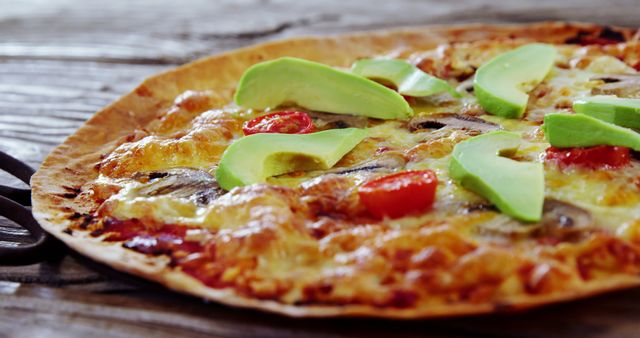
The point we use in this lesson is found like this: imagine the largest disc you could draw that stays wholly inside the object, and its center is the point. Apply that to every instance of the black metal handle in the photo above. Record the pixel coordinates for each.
(26, 253)
(13, 202)
(15, 167)
(22, 196)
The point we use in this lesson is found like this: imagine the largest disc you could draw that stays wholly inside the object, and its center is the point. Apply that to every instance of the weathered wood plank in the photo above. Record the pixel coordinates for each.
(42, 102)
(170, 33)
(610, 316)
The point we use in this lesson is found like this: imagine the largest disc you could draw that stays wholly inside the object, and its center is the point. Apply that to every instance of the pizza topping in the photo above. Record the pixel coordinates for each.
(286, 122)
(254, 158)
(193, 184)
(516, 188)
(607, 64)
(407, 78)
(567, 131)
(501, 84)
(166, 239)
(563, 221)
(386, 161)
(454, 121)
(598, 157)
(606, 36)
(143, 235)
(399, 194)
(325, 121)
(618, 85)
(503, 227)
(620, 111)
(198, 144)
(317, 87)
(185, 107)
(330, 195)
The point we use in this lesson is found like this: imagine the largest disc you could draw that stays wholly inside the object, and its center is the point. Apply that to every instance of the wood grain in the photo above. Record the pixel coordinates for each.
(60, 61)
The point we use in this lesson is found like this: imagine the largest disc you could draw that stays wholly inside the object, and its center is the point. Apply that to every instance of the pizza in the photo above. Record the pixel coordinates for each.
(424, 172)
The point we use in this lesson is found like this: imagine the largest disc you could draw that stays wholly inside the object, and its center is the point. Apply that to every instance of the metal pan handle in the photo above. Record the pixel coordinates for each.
(27, 253)
(13, 205)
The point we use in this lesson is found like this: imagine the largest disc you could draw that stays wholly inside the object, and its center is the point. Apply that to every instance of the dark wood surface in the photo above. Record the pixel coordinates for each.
(60, 61)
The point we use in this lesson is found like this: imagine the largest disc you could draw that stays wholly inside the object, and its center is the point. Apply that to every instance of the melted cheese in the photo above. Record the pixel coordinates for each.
(309, 234)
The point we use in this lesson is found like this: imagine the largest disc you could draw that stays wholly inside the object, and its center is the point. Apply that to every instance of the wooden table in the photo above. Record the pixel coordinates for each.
(61, 61)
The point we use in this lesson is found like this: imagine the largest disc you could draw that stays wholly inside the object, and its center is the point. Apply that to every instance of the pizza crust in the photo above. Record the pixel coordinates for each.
(72, 164)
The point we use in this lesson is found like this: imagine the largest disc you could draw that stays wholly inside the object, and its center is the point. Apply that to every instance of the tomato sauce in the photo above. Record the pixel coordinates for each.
(168, 239)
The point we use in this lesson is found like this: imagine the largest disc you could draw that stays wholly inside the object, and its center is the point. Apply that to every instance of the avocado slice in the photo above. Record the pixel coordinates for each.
(621, 111)
(501, 84)
(409, 80)
(318, 87)
(516, 188)
(254, 158)
(565, 131)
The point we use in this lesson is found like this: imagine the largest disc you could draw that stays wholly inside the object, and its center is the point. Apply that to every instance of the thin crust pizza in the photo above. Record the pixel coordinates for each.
(412, 173)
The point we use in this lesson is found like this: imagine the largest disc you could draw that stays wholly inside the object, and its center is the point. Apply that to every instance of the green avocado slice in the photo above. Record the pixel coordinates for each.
(317, 87)
(516, 188)
(409, 80)
(254, 158)
(620, 111)
(565, 131)
(501, 84)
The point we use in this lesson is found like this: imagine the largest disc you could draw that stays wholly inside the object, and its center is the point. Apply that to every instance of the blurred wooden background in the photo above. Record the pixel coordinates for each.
(60, 61)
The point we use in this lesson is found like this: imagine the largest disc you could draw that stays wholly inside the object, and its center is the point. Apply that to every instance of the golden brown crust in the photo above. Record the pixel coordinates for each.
(73, 164)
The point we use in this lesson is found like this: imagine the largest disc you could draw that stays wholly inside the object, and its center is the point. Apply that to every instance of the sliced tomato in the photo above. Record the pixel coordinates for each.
(285, 122)
(598, 157)
(399, 194)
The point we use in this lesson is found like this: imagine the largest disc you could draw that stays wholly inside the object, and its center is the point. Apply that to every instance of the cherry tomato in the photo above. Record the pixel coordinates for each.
(598, 157)
(285, 122)
(399, 194)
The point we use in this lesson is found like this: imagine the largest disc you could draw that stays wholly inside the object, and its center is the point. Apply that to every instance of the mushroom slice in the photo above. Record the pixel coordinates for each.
(503, 226)
(620, 85)
(453, 121)
(193, 184)
(388, 161)
(338, 121)
(563, 220)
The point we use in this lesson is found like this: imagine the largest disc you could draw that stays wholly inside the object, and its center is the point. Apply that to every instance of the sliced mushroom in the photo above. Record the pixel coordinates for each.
(193, 184)
(503, 226)
(338, 121)
(560, 220)
(466, 86)
(563, 220)
(385, 162)
(473, 207)
(453, 121)
(619, 85)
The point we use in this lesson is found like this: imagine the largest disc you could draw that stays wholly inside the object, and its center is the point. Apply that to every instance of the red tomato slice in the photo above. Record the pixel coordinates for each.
(285, 122)
(399, 194)
(598, 157)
